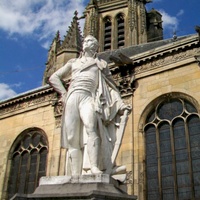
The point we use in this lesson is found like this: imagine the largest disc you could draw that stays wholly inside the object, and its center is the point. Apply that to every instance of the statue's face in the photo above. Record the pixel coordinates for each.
(88, 43)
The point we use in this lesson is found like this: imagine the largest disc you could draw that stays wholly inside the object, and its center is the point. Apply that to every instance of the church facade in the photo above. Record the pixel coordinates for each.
(158, 77)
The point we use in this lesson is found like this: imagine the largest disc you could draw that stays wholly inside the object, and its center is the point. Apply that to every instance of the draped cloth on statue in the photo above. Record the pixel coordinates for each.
(108, 102)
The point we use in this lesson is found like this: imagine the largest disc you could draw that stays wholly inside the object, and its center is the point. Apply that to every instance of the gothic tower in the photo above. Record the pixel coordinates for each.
(115, 24)
(119, 23)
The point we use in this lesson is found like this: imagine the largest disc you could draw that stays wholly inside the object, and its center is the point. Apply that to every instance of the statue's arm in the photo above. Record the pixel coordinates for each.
(55, 79)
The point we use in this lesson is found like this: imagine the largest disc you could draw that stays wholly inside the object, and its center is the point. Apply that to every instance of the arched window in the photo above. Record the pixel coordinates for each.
(28, 162)
(107, 33)
(120, 30)
(172, 140)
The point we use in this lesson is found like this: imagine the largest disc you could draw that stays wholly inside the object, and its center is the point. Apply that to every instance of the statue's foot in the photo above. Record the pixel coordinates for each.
(95, 170)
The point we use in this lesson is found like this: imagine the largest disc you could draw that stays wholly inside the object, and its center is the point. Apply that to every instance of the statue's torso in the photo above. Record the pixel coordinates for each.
(85, 75)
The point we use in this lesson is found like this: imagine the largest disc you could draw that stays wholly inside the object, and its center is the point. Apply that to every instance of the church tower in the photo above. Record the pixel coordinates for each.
(115, 24)
(119, 23)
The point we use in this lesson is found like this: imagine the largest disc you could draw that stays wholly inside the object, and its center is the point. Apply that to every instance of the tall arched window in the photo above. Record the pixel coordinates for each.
(107, 33)
(120, 31)
(28, 162)
(172, 140)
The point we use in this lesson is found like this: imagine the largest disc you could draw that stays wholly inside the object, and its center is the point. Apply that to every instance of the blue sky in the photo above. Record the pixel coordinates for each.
(27, 28)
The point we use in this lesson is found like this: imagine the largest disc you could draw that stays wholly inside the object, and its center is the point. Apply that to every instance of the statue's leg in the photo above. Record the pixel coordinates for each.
(93, 153)
(89, 118)
(75, 161)
(72, 121)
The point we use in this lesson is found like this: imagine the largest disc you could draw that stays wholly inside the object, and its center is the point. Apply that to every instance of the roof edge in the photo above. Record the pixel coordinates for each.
(26, 95)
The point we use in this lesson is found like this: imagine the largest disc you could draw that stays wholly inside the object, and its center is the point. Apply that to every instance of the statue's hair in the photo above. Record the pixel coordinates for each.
(96, 43)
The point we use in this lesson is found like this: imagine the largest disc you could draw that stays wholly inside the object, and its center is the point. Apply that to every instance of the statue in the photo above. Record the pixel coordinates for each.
(92, 111)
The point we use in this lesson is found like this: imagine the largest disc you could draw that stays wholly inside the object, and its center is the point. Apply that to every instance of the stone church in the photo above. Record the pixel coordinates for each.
(159, 78)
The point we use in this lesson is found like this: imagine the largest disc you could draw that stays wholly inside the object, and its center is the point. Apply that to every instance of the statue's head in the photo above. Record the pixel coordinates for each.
(90, 43)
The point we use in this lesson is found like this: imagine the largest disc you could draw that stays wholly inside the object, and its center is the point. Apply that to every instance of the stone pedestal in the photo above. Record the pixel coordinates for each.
(91, 187)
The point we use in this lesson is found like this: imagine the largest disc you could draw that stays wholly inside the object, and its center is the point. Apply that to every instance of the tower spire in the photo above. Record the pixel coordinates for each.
(73, 39)
(52, 56)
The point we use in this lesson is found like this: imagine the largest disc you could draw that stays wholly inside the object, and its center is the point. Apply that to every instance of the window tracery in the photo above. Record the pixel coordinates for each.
(172, 141)
(28, 162)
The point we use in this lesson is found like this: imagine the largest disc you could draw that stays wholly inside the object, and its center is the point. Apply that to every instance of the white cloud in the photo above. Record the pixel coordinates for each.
(169, 22)
(46, 44)
(6, 91)
(38, 18)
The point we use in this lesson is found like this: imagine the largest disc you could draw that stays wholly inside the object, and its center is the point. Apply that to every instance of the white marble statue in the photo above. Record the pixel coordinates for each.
(92, 111)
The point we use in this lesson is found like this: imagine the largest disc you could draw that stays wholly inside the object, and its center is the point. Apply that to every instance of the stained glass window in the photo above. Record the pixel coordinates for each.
(28, 163)
(172, 140)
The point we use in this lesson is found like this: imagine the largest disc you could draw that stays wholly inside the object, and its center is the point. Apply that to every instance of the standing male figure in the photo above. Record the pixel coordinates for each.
(85, 103)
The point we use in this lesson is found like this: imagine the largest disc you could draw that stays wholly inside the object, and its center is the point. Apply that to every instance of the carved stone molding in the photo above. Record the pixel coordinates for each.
(27, 104)
(132, 8)
(142, 17)
(125, 85)
(197, 57)
(125, 81)
(166, 60)
(58, 109)
(127, 99)
(93, 22)
(58, 122)
(141, 177)
(129, 178)
(91, 19)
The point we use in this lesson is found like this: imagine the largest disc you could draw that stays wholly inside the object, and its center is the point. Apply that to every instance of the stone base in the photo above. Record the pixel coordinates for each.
(98, 187)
